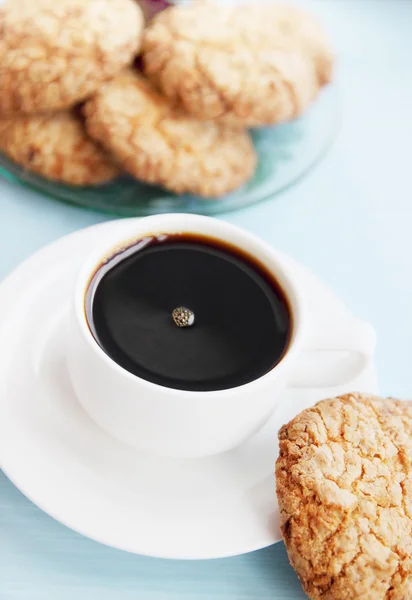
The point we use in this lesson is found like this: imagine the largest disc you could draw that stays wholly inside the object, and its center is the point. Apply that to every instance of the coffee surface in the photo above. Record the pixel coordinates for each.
(241, 326)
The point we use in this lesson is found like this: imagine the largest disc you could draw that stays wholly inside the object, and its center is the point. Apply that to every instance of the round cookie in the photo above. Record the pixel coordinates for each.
(159, 144)
(344, 486)
(247, 65)
(54, 54)
(56, 147)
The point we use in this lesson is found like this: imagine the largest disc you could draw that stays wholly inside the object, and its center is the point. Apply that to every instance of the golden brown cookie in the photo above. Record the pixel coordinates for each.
(56, 147)
(159, 144)
(249, 65)
(55, 53)
(344, 485)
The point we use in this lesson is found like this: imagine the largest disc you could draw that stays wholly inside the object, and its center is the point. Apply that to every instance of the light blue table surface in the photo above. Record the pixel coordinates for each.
(350, 221)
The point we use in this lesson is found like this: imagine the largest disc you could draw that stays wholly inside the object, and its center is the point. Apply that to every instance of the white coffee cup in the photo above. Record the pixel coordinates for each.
(187, 423)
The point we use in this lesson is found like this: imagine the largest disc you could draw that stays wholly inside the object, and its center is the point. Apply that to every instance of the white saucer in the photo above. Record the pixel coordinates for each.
(54, 453)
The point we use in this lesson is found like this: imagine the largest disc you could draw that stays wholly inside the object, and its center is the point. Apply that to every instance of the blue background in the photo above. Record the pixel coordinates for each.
(350, 221)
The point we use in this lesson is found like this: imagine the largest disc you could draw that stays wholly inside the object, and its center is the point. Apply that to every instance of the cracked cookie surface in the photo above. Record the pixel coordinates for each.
(159, 144)
(248, 66)
(54, 54)
(344, 486)
(57, 148)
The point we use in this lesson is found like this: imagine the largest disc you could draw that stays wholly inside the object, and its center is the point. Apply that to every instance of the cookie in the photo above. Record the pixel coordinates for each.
(55, 53)
(245, 65)
(344, 486)
(159, 144)
(56, 147)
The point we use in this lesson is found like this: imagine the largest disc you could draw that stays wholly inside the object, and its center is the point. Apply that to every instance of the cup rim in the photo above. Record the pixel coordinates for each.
(137, 228)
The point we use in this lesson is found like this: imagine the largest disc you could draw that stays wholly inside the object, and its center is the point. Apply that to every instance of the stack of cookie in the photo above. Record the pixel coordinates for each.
(75, 108)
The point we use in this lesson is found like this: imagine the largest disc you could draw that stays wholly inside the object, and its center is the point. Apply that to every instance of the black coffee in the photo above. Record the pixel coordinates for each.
(242, 322)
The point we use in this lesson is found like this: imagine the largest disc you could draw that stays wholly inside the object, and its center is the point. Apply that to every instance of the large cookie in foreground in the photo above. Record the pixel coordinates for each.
(344, 486)
(246, 65)
(159, 144)
(55, 53)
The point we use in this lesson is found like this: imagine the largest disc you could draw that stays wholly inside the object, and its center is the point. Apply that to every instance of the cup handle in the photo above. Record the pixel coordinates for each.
(335, 354)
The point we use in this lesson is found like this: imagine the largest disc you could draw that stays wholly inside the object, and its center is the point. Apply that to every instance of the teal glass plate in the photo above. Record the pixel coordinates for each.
(286, 153)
